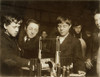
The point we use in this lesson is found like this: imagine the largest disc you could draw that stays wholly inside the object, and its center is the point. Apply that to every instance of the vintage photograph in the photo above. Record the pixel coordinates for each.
(49, 38)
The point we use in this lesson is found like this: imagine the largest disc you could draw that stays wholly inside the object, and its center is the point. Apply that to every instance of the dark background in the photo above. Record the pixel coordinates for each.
(46, 11)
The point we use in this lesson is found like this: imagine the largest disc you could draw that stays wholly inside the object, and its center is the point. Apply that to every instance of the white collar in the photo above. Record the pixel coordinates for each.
(26, 38)
(63, 38)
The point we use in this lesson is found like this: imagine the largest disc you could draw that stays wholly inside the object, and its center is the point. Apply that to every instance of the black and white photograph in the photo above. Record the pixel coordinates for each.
(49, 38)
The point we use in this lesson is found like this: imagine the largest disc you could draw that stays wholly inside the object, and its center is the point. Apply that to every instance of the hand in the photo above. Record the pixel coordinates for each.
(88, 64)
(82, 73)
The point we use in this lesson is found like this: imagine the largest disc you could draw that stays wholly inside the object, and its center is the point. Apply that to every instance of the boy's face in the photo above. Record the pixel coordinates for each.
(12, 28)
(97, 20)
(63, 28)
(77, 29)
(32, 30)
(44, 34)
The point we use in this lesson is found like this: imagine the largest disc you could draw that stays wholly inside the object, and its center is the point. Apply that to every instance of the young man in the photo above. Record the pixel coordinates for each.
(29, 39)
(69, 46)
(92, 56)
(10, 59)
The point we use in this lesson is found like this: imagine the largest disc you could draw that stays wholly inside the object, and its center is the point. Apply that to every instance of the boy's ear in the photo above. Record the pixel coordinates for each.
(5, 26)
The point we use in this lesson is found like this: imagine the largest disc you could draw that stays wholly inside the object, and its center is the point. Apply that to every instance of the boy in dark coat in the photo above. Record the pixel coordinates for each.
(29, 40)
(10, 59)
(69, 46)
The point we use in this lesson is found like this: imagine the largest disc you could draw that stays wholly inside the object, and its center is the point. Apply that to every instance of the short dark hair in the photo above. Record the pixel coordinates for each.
(61, 19)
(76, 23)
(7, 19)
(31, 21)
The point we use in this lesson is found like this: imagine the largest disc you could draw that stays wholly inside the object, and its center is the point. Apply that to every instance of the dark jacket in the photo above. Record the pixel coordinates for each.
(30, 48)
(70, 53)
(11, 62)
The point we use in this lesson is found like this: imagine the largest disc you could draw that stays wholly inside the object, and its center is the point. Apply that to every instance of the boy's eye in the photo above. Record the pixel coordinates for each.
(64, 26)
(16, 27)
(35, 30)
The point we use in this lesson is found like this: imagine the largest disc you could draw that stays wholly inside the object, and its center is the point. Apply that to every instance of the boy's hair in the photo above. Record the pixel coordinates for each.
(61, 19)
(31, 21)
(7, 19)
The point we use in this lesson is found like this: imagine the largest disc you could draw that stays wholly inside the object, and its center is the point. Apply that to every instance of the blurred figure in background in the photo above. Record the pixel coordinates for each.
(81, 36)
(94, 49)
(45, 40)
(85, 39)
(44, 34)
